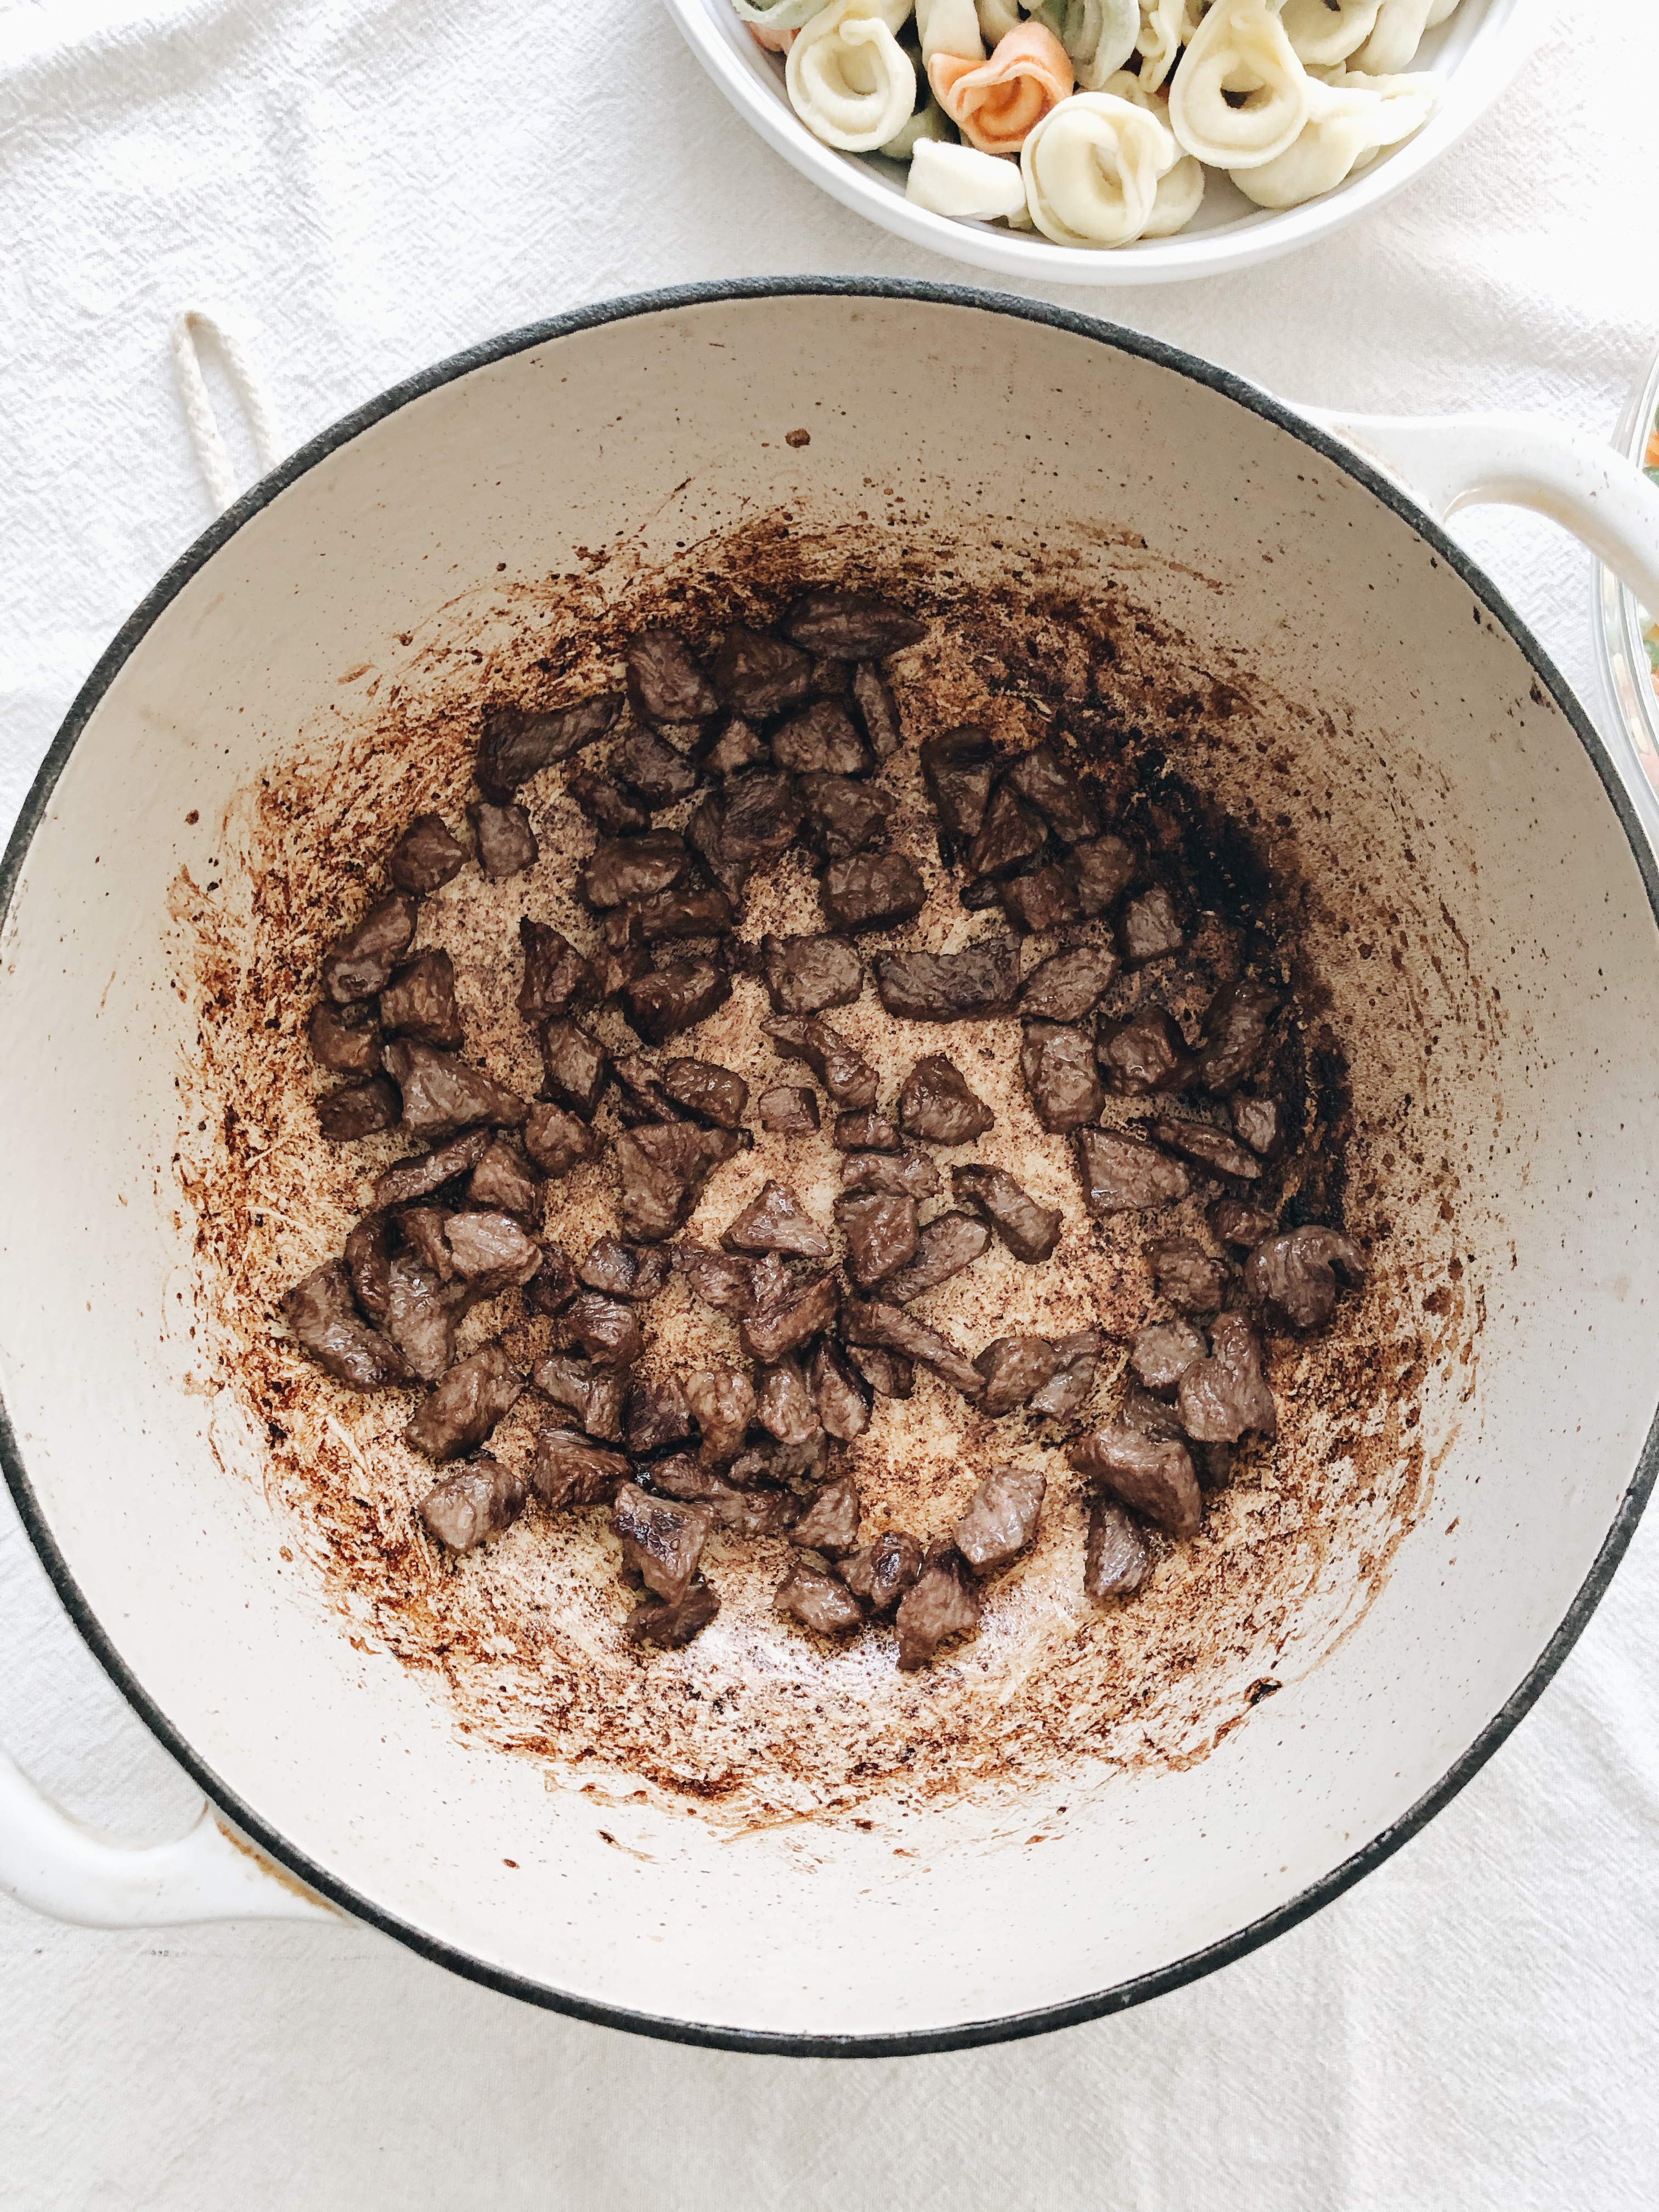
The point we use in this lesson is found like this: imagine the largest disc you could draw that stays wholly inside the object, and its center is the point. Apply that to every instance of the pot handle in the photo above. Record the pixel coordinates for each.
(56, 1866)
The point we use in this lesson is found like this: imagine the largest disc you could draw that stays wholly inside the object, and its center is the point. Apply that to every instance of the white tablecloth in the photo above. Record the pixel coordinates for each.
(361, 189)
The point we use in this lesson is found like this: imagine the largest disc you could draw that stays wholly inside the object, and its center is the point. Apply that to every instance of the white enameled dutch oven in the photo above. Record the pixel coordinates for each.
(1479, 895)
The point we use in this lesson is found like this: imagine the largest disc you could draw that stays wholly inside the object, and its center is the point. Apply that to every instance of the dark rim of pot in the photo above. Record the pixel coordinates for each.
(1489, 605)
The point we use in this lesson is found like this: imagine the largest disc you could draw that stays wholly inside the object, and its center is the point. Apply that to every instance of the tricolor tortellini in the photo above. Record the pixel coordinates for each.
(1095, 121)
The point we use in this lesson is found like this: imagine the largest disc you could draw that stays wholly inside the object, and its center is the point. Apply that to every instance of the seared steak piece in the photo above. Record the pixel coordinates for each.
(788, 1110)
(1153, 1476)
(422, 1229)
(672, 1627)
(607, 1331)
(566, 1470)
(466, 1406)
(326, 1322)
(711, 1094)
(507, 843)
(825, 1606)
(1100, 871)
(872, 890)
(594, 1395)
(555, 973)
(1261, 1122)
(624, 1271)
(558, 1141)
(845, 1074)
(936, 1104)
(360, 963)
(661, 1540)
(969, 986)
(1058, 1064)
(842, 818)
(1044, 781)
(1039, 901)
(505, 1182)
(554, 1283)
(1185, 1273)
(821, 740)
(877, 709)
(736, 747)
(1000, 1519)
(881, 1571)
(843, 1401)
(519, 740)
(490, 1253)
(357, 1109)
(889, 1330)
(653, 769)
(1295, 1276)
(727, 1284)
(680, 1476)
(788, 1320)
(640, 1095)
(1015, 1369)
(1241, 1226)
(1073, 1378)
(783, 1404)
(761, 812)
(368, 1263)
(706, 834)
(1161, 1354)
(442, 1095)
(420, 1001)
(1235, 1037)
(634, 868)
(1122, 1176)
(1226, 1396)
(478, 1500)
(657, 1414)
(888, 1374)
(605, 803)
(722, 1403)
(407, 1181)
(1030, 1231)
(675, 998)
(426, 857)
(1145, 1053)
(1009, 836)
(1115, 1559)
(574, 1066)
(758, 1512)
(1150, 926)
(881, 1233)
(830, 1523)
(344, 1040)
(868, 1132)
(665, 684)
(942, 1602)
(776, 1221)
(945, 1246)
(420, 1315)
(1210, 1147)
(683, 913)
(842, 625)
(757, 675)
(805, 975)
(1070, 985)
(911, 1175)
(958, 768)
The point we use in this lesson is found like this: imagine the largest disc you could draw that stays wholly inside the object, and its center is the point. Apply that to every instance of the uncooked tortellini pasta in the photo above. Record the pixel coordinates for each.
(777, 15)
(949, 27)
(1326, 31)
(1239, 49)
(1099, 35)
(1398, 34)
(1166, 25)
(1351, 118)
(1180, 190)
(849, 79)
(1091, 169)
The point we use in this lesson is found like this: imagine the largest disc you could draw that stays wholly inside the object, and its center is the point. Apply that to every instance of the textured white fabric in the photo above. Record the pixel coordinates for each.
(358, 189)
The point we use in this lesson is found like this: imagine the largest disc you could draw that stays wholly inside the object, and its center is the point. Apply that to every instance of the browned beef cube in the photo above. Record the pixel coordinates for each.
(555, 973)
(1234, 1222)
(1122, 1176)
(442, 1095)
(1070, 985)
(1144, 1054)
(683, 912)
(1058, 1064)
(1000, 1519)
(889, 1330)
(612, 971)
(756, 1512)
(881, 1572)
(757, 675)
(360, 963)
(1153, 1417)
(722, 1404)
(357, 1109)
(846, 625)
(958, 768)
(664, 1168)
(910, 1174)
(1100, 871)
(653, 769)
(711, 1093)
(1009, 836)
(1152, 1475)
(1161, 1354)
(776, 1221)
(877, 709)
(845, 1074)
(888, 1374)
(872, 890)
(407, 1181)
(868, 1132)
(1210, 1147)
(420, 1001)
(842, 817)
(1015, 1369)
(1031, 1231)
(725, 1283)
(626, 868)
(665, 684)
(783, 1404)
(657, 1414)
(788, 1110)
(1235, 1039)
(826, 1606)
(558, 1141)
(936, 1104)
(705, 833)
(607, 1330)
(595, 1395)
(1039, 902)
(969, 986)
(945, 1246)
(426, 857)
(368, 1263)
(566, 1470)
(1114, 1560)
(675, 998)
(478, 1500)
(616, 1270)
(770, 1277)
(821, 740)
(785, 1322)
(881, 1232)
(805, 975)
(326, 1322)
(1188, 1277)
(843, 1403)
(830, 1523)
(605, 803)
(942, 1602)
(1227, 1396)
(1044, 781)
(575, 1066)
(466, 1406)
(518, 741)
(736, 747)
(490, 1253)
(1149, 928)
(505, 1182)
(762, 810)
(1295, 1276)
(670, 1627)
(1073, 1379)
(421, 1311)
(1261, 1122)
(640, 1095)
(421, 1230)
(507, 843)
(662, 1540)
(680, 1476)
(554, 1283)
(344, 1040)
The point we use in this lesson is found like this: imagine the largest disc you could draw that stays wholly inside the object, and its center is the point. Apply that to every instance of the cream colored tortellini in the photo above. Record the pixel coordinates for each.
(1351, 118)
(1092, 168)
(961, 181)
(777, 15)
(1326, 31)
(848, 79)
(1166, 25)
(1398, 34)
(997, 18)
(1099, 35)
(929, 122)
(1180, 190)
(1239, 48)
(949, 27)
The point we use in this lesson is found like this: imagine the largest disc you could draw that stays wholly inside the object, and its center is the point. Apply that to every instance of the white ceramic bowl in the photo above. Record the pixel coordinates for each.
(1475, 55)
